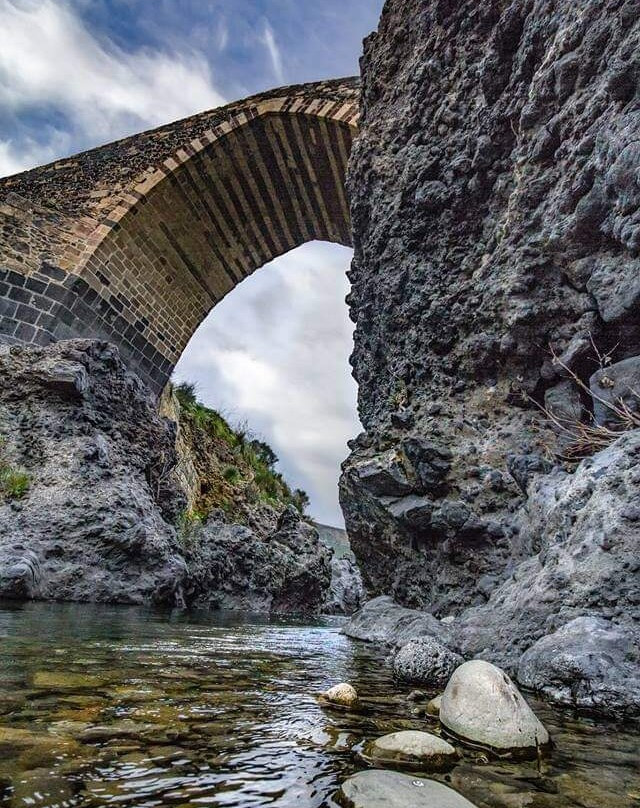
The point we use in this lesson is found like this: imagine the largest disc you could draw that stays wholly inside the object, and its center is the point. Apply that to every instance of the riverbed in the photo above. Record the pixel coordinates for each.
(135, 707)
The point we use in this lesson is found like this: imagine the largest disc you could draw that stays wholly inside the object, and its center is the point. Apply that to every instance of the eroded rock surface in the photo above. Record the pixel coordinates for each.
(95, 523)
(495, 204)
(233, 568)
(346, 593)
(100, 518)
(587, 663)
(494, 198)
(425, 661)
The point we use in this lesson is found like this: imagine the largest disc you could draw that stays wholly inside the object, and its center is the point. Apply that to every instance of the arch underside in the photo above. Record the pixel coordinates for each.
(181, 234)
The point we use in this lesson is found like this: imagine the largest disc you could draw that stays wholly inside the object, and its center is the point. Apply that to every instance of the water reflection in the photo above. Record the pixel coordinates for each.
(131, 707)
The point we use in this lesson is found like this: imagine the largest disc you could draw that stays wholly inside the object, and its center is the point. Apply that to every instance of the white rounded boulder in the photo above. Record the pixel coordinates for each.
(482, 705)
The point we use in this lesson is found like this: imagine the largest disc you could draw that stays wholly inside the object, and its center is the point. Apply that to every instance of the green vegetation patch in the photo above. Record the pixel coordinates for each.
(14, 482)
(255, 461)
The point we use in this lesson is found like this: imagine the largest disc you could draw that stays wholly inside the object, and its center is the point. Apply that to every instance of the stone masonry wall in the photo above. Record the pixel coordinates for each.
(136, 241)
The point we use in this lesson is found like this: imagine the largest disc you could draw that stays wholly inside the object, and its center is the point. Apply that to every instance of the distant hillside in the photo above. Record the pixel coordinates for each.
(336, 538)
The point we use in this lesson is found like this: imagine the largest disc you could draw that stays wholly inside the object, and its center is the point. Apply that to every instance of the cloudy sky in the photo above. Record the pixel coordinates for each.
(77, 73)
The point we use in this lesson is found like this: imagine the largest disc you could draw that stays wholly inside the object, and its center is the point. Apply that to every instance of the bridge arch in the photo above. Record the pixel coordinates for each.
(137, 241)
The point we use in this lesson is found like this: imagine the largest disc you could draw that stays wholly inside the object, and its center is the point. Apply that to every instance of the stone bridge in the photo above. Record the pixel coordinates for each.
(136, 241)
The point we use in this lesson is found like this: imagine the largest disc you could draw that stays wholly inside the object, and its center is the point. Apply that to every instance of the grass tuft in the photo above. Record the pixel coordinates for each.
(14, 482)
(584, 439)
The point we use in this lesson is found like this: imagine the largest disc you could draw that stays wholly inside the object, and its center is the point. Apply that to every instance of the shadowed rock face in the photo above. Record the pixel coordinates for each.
(495, 208)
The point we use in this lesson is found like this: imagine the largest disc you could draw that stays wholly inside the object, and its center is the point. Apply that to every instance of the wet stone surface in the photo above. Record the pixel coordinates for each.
(121, 706)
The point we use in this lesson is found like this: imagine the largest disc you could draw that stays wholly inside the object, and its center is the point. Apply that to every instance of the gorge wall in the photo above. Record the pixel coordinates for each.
(495, 199)
(104, 500)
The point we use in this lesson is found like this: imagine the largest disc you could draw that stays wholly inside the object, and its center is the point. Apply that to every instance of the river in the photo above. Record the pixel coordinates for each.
(134, 707)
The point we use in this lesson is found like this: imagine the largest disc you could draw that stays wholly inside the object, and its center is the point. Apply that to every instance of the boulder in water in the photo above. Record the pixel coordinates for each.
(342, 695)
(589, 663)
(482, 705)
(425, 661)
(413, 748)
(384, 789)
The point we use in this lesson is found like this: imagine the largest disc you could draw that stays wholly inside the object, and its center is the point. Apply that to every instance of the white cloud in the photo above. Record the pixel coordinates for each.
(223, 35)
(48, 59)
(19, 156)
(269, 40)
(275, 353)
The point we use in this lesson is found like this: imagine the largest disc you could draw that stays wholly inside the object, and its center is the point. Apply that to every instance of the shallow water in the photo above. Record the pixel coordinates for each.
(129, 707)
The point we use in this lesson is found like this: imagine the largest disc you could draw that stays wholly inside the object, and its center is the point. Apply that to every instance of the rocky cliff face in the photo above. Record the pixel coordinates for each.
(495, 213)
(94, 504)
(495, 201)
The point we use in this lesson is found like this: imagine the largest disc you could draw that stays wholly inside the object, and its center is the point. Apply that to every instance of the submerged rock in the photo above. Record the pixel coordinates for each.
(589, 663)
(66, 680)
(482, 705)
(385, 789)
(412, 747)
(433, 706)
(425, 661)
(342, 695)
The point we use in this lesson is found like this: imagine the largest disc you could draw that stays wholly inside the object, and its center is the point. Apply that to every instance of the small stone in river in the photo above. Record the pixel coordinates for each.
(65, 680)
(414, 748)
(342, 695)
(384, 789)
(425, 661)
(481, 704)
(433, 707)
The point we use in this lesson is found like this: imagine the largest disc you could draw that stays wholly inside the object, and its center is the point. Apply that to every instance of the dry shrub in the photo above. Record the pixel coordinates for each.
(584, 439)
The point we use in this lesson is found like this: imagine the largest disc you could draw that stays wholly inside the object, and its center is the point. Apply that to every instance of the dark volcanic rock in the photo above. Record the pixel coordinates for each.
(425, 661)
(495, 198)
(232, 568)
(101, 519)
(385, 622)
(578, 536)
(495, 201)
(616, 391)
(346, 593)
(588, 663)
(95, 522)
